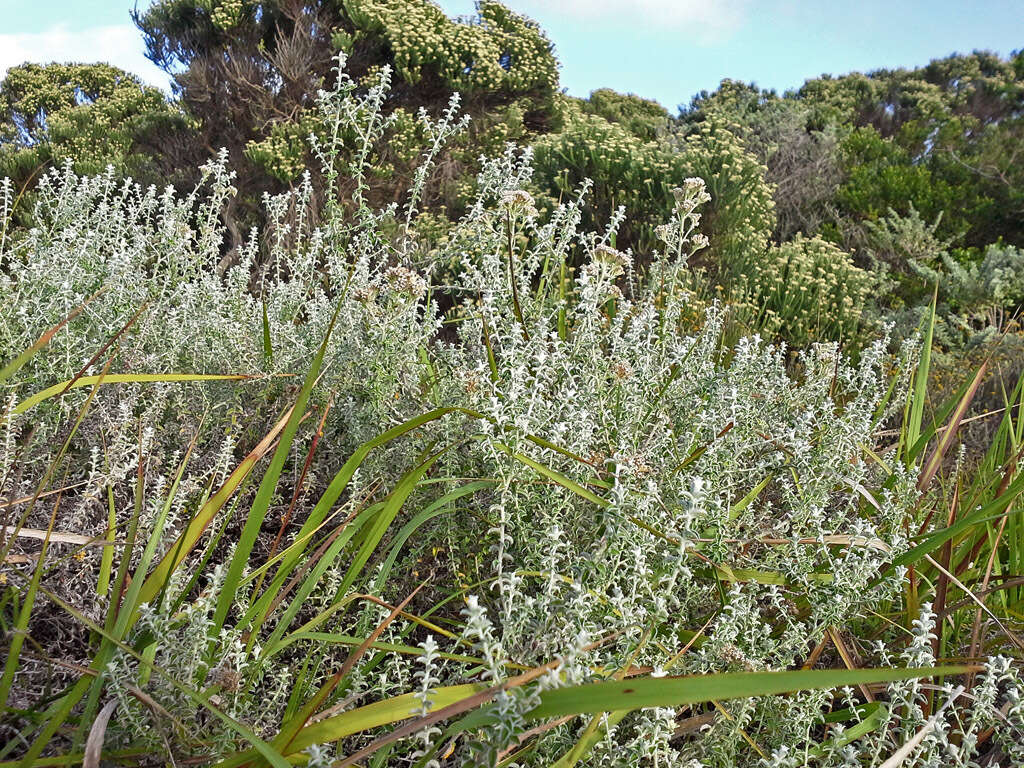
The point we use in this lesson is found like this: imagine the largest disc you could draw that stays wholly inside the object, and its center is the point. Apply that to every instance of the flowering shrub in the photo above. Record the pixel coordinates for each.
(91, 115)
(582, 489)
(503, 51)
(807, 289)
(637, 171)
(742, 209)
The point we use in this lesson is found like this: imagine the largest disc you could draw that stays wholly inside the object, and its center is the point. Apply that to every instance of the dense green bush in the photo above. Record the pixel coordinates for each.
(89, 115)
(249, 73)
(630, 172)
(807, 290)
(891, 162)
(741, 216)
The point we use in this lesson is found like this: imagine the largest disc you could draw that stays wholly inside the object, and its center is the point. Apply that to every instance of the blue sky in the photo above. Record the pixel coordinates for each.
(660, 49)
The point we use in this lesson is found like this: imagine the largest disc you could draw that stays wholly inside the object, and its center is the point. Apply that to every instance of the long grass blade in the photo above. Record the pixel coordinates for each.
(121, 378)
(17, 363)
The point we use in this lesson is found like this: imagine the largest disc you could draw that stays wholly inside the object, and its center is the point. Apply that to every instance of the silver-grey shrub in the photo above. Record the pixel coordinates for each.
(669, 428)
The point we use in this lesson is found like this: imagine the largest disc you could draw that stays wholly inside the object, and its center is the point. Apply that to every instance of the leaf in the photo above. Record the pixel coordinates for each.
(197, 699)
(551, 474)
(121, 378)
(746, 501)
(435, 509)
(920, 389)
(873, 717)
(177, 552)
(649, 692)
(937, 538)
(62, 538)
(931, 466)
(291, 556)
(268, 485)
(94, 744)
(15, 365)
(677, 691)
(365, 718)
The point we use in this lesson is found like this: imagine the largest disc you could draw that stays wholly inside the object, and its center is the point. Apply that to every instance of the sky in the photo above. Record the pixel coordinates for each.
(666, 50)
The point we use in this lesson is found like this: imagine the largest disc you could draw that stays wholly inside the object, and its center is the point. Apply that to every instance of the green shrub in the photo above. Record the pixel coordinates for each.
(740, 219)
(808, 290)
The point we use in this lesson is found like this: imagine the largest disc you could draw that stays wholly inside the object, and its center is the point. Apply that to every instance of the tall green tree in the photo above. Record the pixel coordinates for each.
(249, 71)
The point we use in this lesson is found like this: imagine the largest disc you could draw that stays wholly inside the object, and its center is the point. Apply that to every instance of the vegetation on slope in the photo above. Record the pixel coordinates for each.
(378, 442)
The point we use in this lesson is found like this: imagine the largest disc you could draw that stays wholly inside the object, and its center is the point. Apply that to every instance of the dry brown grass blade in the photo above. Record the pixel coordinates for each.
(62, 538)
(690, 643)
(816, 653)
(12, 367)
(94, 744)
(303, 569)
(158, 711)
(359, 652)
(837, 539)
(1006, 583)
(293, 728)
(931, 466)
(981, 605)
(522, 738)
(848, 659)
(102, 350)
(693, 724)
(181, 549)
(899, 756)
(29, 499)
(720, 709)
(286, 518)
(942, 585)
(976, 625)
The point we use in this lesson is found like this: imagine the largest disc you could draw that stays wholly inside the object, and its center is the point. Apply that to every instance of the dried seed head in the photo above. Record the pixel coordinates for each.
(605, 254)
(518, 201)
(227, 678)
(404, 280)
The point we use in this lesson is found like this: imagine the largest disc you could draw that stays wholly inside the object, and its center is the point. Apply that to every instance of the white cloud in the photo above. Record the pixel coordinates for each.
(120, 45)
(708, 20)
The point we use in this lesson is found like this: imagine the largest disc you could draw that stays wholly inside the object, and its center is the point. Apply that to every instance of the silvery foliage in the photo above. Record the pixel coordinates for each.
(934, 727)
(668, 429)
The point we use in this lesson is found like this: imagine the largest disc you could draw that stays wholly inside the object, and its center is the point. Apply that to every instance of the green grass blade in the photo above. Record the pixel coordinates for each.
(328, 499)
(551, 474)
(678, 691)
(17, 363)
(937, 538)
(364, 718)
(178, 551)
(201, 702)
(919, 393)
(931, 466)
(747, 500)
(121, 378)
(433, 510)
